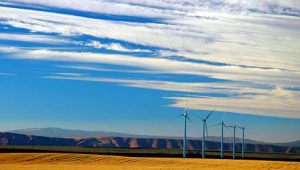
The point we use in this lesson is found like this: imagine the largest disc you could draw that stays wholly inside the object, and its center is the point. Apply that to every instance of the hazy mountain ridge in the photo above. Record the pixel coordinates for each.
(294, 143)
(67, 133)
(123, 142)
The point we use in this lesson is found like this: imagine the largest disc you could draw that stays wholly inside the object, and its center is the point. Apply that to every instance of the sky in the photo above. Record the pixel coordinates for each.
(133, 66)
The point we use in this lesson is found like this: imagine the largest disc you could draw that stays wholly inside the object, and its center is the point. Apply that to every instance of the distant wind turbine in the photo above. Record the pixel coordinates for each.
(233, 143)
(222, 139)
(222, 136)
(233, 147)
(204, 131)
(243, 130)
(185, 117)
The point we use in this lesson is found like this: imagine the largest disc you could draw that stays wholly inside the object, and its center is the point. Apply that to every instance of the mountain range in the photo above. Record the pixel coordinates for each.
(66, 137)
(125, 142)
(68, 133)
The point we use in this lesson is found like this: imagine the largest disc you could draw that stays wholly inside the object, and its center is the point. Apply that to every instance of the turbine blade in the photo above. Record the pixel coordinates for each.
(188, 118)
(186, 107)
(180, 115)
(199, 117)
(209, 115)
(223, 116)
(191, 121)
(240, 127)
(228, 126)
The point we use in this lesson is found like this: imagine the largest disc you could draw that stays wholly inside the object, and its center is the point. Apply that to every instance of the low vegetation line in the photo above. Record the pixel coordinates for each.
(144, 152)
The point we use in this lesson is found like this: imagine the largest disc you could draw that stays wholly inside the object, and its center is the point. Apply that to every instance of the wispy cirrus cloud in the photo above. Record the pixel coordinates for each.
(93, 68)
(7, 74)
(264, 105)
(56, 40)
(252, 47)
(276, 102)
(70, 74)
(112, 46)
(232, 88)
(225, 40)
(171, 8)
(32, 38)
(264, 76)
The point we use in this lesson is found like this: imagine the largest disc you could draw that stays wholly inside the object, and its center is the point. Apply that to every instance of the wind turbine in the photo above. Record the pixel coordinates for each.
(203, 133)
(233, 143)
(243, 130)
(222, 138)
(233, 147)
(185, 117)
(222, 135)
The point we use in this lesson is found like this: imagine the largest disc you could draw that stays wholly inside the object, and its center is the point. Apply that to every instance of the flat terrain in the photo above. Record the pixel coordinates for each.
(69, 161)
(146, 152)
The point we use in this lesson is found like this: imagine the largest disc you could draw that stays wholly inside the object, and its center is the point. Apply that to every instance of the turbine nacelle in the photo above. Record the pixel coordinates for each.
(185, 114)
(184, 145)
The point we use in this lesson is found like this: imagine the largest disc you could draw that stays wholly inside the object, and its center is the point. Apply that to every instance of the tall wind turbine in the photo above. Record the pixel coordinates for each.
(203, 133)
(185, 117)
(243, 130)
(233, 143)
(222, 138)
(233, 147)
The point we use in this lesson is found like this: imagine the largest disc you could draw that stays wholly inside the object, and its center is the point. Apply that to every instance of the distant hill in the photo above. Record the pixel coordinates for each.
(294, 144)
(67, 133)
(124, 142)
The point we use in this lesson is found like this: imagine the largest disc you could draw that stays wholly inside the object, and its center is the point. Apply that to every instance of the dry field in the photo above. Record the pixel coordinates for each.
(61, 161)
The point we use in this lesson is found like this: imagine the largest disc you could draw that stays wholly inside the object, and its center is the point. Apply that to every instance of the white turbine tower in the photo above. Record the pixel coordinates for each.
(185, 118)
(233, 147)
(203, 133)
(233, 143)
(222, 136)
(243, 144)
(222, 139)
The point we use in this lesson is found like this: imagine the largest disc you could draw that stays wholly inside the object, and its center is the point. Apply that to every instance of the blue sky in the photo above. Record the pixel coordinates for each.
(132, 66)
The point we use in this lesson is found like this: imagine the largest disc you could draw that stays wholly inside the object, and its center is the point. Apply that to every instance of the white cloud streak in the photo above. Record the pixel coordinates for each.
(47, 39)
(263, 76)
(7, 74)
(257, 105)
(224, 88)
(277, 102)
(32, 38)
(170, 8)
(92, 68)
(245, 37)
(113, 46)
(229, 39)
(70, 74)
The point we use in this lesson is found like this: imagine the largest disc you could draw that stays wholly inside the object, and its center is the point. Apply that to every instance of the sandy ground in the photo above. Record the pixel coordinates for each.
(61, 161)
